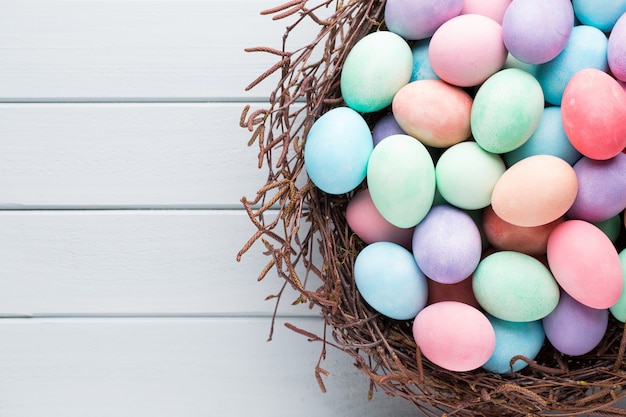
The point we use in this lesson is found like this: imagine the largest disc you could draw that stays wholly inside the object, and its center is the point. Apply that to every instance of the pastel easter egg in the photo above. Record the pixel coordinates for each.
(466, 175)
(376, 67)
(512, 62)
(460, 291)
(337, 149)
(447, 245)
(467, 49)
(536, 31)
(436, 113)
(616, 49)
(535, 191)
(493, 9)
(506, 111)
(401, 180)
(618, 310)
(594, 114)
(599, 13)
(422, 69)
(549, 138)
(385, 127)
(503, 235)
(528, 293)
(365, 220)
(454, 336)
(586, 48)
(418, 19)
(389, 280)
(574, 328)
(601, 188)
(585, 263)
(513, 339)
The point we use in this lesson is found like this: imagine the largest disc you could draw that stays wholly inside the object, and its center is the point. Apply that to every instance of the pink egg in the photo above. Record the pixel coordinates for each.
(593, 110)
(434, 112)
(467, 49)
(368, 224)
(585, 263)
(418, 19)
(493, 9)
(535, 191)
(454, 335)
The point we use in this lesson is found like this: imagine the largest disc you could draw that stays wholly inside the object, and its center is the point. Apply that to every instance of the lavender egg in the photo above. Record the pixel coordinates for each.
(385, 127)
(418, 19)
(447, 245)
(574, 328)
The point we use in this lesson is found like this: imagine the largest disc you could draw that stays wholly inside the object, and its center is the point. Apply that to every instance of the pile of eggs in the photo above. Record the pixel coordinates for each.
(490, 192)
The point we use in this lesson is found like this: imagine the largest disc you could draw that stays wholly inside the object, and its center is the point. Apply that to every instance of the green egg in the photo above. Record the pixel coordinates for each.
(514, 286)
(401, 180)
(618, 310)
(375, 69)
(506, 111)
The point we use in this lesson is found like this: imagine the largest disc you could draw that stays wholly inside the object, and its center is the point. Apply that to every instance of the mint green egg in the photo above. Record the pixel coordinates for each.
(375, 69)
(514, 286)
(401, 180)
(618, 310)
(506, 111)
(466, 175)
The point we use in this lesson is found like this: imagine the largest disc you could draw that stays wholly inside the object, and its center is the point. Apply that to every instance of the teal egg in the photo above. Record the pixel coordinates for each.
(513, 339)
(611, 227)
(422, 70)
(376, 67)
(618, 310)
(466, 175)
(549, 138)
(401, 180)
(390, 281)
(506, 111)
(337, 149)
(515, 287)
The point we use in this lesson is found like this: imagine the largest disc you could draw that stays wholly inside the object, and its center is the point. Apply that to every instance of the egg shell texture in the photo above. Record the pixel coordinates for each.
(389, 280)
(616, 49)
(535, 191)
(493, 9)
(536, 31)
(594, 114)
(513, 339)
(466, 175)
(365, 220)
(447, 244)
(376, 67)
(618, 310)
(467, 49)
(601, 189)
(337, 149)
(506, 111)
(418, 19)
(515, 287)
(599, 13)
(585, 263)
(454, 335)
(422, 69)
(386, 126)
(401, 180)
(574, 328)
(434, 112)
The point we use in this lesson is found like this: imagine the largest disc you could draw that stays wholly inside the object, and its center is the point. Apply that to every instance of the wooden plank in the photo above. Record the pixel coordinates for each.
(131, 262)
(137, 50)
(126, 155)
(175, 367)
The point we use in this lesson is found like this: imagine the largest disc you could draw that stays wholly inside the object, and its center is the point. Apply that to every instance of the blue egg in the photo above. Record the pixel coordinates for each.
(422, 70)
(586, 48)
(390, 281)
(337, 150)
(599, 13)
(548, 139)
(513, 339)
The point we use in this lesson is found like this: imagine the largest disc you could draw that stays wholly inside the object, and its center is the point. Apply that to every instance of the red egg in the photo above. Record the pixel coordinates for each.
(593, 109)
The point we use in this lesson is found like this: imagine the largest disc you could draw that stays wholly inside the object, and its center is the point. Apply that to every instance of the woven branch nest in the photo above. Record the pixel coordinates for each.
(310, 222)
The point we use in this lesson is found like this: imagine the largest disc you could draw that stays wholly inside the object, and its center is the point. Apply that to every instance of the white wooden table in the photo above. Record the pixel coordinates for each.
(121, 170)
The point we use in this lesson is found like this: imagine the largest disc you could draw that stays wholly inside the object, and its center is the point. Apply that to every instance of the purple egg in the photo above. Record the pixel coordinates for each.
(616, 53)
(601, 188)
(573, 328)
(385, 127)
(418, 19)
(447, 245)
(536, 31)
